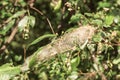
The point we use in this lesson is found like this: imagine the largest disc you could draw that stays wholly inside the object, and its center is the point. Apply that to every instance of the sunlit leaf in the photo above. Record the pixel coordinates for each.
(31, 21)
(26, 21)
(118, 2)
(75, 62)
(116, 19)
(91, 47)
(103, 4)
(116, 61)
(56, 4)
(108, 21)
(23, 23)
(97, 37)
(73, 76)
(7, 71)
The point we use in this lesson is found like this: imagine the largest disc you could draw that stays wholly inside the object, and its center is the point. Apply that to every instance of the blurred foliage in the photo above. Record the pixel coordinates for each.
(98, 60)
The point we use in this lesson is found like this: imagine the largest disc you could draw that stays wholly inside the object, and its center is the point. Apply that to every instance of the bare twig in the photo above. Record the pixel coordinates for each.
(45, 17)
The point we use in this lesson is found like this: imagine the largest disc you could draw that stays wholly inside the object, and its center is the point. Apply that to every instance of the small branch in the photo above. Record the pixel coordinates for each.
(45, 17)
(14, 31)
(9, 39)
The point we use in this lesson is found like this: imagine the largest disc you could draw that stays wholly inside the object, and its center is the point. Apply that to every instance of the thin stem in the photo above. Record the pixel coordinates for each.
(46, 18)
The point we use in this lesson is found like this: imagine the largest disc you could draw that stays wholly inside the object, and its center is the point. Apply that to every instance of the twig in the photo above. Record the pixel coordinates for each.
(45, 17)
(9, 39)
(14, 31)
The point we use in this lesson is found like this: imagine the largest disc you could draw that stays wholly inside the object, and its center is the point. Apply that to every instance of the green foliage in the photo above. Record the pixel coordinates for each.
(108, 21)
(26, 21)
(56, 4)
(7, 27)
(94, 60)
(7, 71)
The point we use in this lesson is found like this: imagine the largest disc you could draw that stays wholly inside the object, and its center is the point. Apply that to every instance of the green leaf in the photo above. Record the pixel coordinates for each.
(7, 71)
(119, 66)
(3, 3)
(56, 4)
(97, 37)
(75, 62)
(116, 19)
(26, 21)
(23, 23)
(75, 18)
(31, 21)
(18, 57)
(116, 61)
(118, 2)
(89, 14)
(108, 21)
(41, 38)
(7, 27)
(104, 4)
(32, 61)
(74, 75)
(96, 67)
(97, 22)
(91, 47)
(17, 14)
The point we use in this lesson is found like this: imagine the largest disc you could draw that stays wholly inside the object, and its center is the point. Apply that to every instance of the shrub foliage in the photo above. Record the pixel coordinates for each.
(28, 25)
